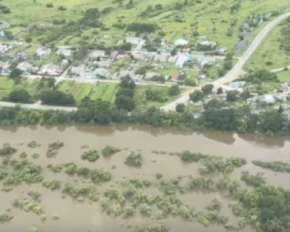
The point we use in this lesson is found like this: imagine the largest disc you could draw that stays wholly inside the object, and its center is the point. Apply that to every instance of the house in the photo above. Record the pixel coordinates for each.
(222, 50)
(180, 61)
(50, 69)
(101, 72)
(4, 25)
(43, 51)
(285, 88)
(2, 64)
(181, 42)
(237, 84)
(78, 71)
(103, 63)
(114, 55)
(25, 67)
(64, 52)
(206, 45)
(267, 98)
(5, 48)
(130, 74)
(97, 53)
(175, 77)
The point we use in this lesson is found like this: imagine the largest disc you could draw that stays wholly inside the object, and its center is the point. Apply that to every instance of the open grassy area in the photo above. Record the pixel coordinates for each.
(143, 103)
(284, 76)
(104, 91)
(210, 18)
(269, 56)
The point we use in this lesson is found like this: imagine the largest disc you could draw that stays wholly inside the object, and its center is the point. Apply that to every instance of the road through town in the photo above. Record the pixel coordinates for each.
(236, 71)
(230, 76)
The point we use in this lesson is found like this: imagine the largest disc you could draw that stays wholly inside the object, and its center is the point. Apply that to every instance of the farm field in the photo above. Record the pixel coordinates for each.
(284, 76)
(7, 85)
(269, 54)
(174, 18)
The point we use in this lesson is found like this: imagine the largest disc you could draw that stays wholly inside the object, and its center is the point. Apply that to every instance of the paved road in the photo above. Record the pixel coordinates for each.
(236, 71)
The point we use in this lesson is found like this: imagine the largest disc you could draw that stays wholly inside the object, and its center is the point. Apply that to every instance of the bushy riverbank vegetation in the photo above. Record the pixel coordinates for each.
(99, 112)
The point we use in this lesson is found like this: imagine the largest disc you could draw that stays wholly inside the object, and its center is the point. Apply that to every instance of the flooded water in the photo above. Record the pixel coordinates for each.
(86, 216)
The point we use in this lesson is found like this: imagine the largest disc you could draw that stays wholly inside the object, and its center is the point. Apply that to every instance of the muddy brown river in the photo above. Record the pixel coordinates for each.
(86, 216)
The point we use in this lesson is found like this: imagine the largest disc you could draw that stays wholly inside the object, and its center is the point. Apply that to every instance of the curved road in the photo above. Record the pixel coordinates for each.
(237, 69)
(230, 76)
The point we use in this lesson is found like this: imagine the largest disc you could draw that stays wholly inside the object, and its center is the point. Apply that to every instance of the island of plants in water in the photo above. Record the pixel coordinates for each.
(255, 203)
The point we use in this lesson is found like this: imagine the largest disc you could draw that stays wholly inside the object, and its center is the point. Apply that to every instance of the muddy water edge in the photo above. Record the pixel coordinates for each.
(86, 215)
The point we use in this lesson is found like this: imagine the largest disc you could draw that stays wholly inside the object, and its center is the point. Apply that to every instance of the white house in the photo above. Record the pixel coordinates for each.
(43, 51)
(25, 67)
(181, 42)
(64, 52)
(50, 69)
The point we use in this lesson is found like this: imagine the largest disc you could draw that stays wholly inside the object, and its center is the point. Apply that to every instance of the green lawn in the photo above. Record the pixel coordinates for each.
(269, 56)
(78, 90)
(140, 97)
(7, 85)
(104, 91)
(284, 76)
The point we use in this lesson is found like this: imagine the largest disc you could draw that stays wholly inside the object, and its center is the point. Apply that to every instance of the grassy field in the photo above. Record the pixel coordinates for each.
(143, 103)
(210, 18)
(284, 76)
(269, 56)
(7, 85)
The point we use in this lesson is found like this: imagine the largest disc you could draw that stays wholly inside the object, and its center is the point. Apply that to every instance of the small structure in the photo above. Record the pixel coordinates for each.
(207, 45)
(78, 71)
(25, 67)
(162, 57)
(50, 69)
(175, 77)
(180, 61)
(101, 73)
(97, 53)
(285, 88)
(267, 98)
(103, 63)
(4, 25)
(237, 84)
(43, 51)
(181, 42)
(114, 55)
(222, 50)
(64, 52)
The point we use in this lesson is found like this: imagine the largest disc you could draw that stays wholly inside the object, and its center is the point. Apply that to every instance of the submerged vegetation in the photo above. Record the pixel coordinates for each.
(261, 206)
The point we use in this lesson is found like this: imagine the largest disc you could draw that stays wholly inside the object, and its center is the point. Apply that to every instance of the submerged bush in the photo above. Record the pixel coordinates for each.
(277, 166)
(134, 159)
(5, 217)
(108, 151)
(91, 156)
(52, 185)
(253, 180)
(56, 145)
(84, 190)
(7, 150)
(33, 144)
(34, 194)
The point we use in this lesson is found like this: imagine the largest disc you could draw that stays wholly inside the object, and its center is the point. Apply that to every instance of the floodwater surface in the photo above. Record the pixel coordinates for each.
(86, 216)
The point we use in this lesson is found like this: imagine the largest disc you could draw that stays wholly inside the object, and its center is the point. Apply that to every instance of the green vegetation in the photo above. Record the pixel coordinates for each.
(273, 53)
(7, 150)
(91, 156)
(108, 151)
(276, 166)
(134, 159)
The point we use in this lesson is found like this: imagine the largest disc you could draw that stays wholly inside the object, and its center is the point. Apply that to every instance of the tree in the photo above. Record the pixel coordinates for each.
(232, 95)
(214, 103)
(125, 92)
(19, 96)
(180, 107)
(228, 64)
(54, 97)
(196, 96)
(50, 82)
(174, 90)
(125, 102)
(127, 83)
(220, 90)
(206, 89)
(245, 95)
(15, 73)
